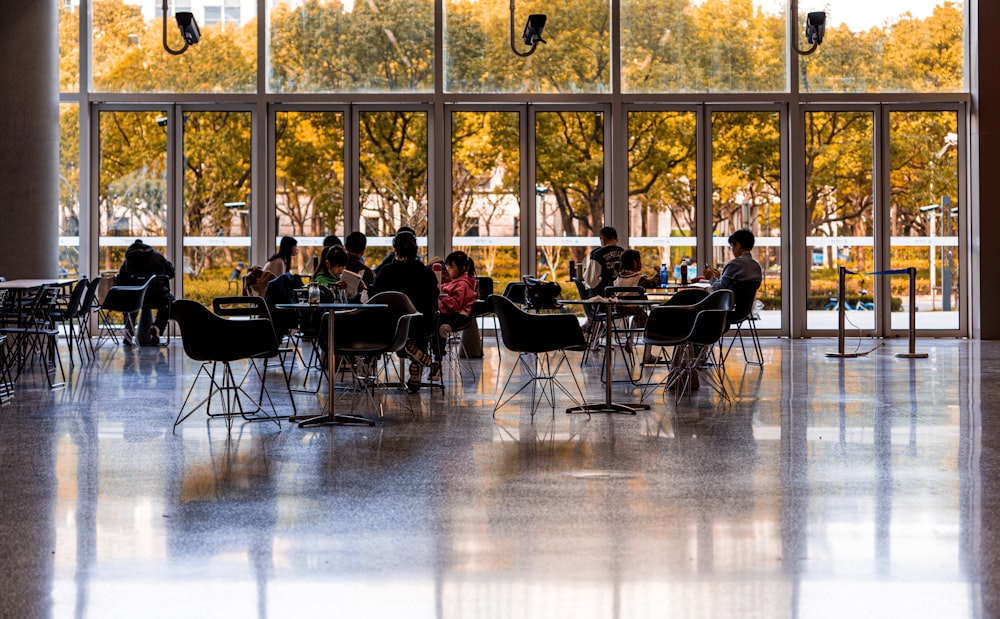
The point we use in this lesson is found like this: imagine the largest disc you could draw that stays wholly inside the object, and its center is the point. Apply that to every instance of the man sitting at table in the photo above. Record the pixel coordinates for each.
(604, 263)
(141, 263)
(742, 268)
(407, 274)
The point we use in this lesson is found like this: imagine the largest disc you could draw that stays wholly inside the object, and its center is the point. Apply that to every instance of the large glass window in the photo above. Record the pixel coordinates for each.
(69, 48)
(840, 208)
(128, 54)
(569, 188)
(710, 46)
(217, 192)
(662, 187)
(485, 186)
(370, 46)
(69, 193)
(924, 217)
(392, 177)
(478, 56)
(746, 193)
(886, 46)
(309, 179)
(132, 183)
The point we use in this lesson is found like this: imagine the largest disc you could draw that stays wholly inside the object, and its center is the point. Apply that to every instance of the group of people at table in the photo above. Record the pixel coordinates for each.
(446, 306)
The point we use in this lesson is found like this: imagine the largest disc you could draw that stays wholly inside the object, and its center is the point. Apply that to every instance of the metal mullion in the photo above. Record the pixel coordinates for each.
(881, 191)
(703, 172)
(529, 210)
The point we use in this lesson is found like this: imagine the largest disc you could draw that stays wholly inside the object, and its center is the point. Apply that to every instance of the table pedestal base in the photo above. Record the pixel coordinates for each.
(609, 407)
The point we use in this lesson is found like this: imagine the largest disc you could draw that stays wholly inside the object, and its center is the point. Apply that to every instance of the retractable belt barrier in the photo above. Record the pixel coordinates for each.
(842, 304)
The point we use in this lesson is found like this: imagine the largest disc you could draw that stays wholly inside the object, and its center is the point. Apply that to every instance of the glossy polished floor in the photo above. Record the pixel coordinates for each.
(829, 488)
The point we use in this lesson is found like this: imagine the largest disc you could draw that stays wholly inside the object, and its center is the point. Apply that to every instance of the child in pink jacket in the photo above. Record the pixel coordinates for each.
(458, 293)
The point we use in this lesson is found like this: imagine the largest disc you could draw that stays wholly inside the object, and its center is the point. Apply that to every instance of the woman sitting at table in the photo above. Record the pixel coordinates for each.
(458, 293)
(410, 276)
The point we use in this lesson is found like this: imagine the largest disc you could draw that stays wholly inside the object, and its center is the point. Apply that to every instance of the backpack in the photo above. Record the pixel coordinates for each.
(255, 281)
(540, 294)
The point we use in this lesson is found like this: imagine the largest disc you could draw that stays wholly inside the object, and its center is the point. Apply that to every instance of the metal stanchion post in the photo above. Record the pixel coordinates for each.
(841, 305)
(913, 354)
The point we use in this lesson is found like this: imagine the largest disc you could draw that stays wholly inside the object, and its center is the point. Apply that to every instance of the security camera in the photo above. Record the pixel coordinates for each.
(532, 34)
(815, 27)
(189, 27)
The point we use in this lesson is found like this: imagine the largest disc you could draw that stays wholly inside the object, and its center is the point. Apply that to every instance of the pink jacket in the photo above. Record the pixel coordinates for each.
(461, 294)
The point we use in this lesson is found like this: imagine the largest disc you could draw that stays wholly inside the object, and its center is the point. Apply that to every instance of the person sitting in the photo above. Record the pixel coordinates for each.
(141, 263)
(631, 275)
(331, 272)
(355, 243)
(742, 268)
(604, 263)
(458, 293)
(408, 275)
(331, 267)
(391, 255)
(281, 261)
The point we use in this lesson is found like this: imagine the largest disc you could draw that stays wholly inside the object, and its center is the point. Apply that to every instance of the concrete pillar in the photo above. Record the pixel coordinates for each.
(29, 139)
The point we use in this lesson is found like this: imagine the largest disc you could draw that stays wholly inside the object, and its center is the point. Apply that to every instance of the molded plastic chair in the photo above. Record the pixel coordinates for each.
(400, 304)
(217, 341)
(672, 326)
(125, 299)
(362, 339)
(256, 307)
(541, 342)
(687, 296)
(709, 327)
(745, 294)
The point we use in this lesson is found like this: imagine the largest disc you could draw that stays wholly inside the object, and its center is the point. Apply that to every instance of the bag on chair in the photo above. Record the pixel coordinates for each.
(540, 294)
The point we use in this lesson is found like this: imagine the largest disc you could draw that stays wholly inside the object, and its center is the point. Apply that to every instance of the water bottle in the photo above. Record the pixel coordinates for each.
(313, 293)
(684, 272)
(663, 275)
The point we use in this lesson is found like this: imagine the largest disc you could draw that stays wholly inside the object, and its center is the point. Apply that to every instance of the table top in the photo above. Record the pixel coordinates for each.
(25, 284)
(335, 306)
(612, 301)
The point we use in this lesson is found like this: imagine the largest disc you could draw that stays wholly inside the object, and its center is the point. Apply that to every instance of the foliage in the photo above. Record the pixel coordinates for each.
(386, 46)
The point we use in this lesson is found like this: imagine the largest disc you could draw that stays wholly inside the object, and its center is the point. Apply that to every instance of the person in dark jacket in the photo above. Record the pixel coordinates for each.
(409, 275)
(141, 263)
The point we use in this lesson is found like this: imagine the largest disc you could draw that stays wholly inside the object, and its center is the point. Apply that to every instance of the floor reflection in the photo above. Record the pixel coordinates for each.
(826, 488)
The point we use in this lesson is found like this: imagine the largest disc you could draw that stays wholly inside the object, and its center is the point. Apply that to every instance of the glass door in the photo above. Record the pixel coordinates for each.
(569, 189)
(132, 183)
(216, 202)
(840, 217)
(485, 191)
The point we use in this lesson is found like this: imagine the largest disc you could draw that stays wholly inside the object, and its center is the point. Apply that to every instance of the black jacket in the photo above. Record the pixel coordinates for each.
(141, 263)
(416, 281)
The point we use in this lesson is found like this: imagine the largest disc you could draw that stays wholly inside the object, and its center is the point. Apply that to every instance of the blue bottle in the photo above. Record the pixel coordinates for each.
(663, 275)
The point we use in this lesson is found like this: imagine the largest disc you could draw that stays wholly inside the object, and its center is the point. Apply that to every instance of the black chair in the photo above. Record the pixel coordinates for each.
(541, 342)
(34, 335)
(400, 304)
(67, 313)
(363, 341)
(481, 309)
(687, 296)
(128, 301)
(627, 324)
(673, 326)
(256, 307)
(516, 292)
(6, 380)
(217, 341)
(596, 322)
(708, 329)
(89, 309)
(745, 293)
